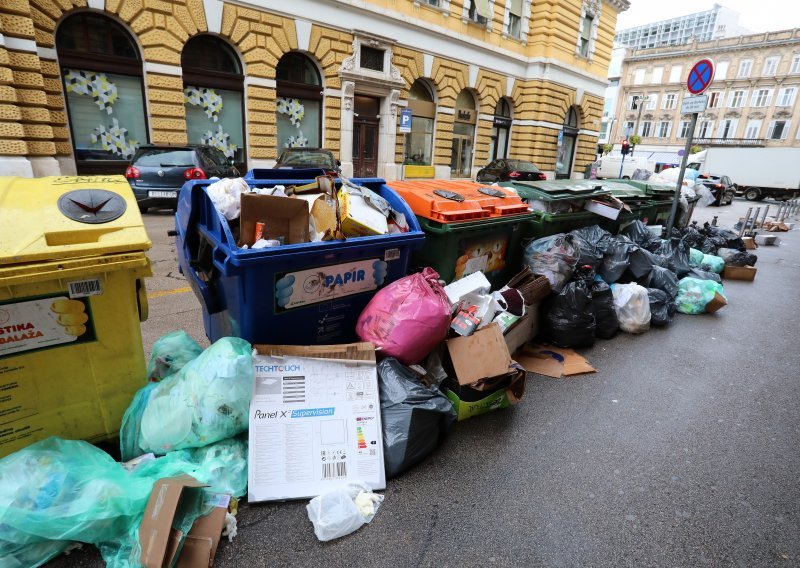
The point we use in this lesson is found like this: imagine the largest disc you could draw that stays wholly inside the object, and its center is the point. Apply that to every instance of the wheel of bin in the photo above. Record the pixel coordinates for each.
(626, 177)
(752, 194)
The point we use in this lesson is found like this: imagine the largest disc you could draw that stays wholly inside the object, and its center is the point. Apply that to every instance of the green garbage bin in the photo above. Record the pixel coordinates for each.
(660, 196)
(554, 205)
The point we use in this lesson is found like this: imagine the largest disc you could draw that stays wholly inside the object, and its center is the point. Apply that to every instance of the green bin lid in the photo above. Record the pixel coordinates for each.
(558, 190)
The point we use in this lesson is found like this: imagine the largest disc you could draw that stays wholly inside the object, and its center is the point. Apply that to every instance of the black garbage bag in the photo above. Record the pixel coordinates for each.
(701, 274)
(641, 265)
(569, 321)
(605, 316)
(677, 252)
(725, 238)
(662, 307)
(664, 279)
(415, 418)
(733, 257)
(691, 236)
(592, 242)
(616, 259)
(639, 234)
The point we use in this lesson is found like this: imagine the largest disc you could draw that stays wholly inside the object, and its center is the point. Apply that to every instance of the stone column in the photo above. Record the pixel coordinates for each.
(346, 137)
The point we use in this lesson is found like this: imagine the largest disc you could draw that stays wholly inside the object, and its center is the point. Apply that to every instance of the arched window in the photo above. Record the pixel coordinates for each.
(213, 92)
(463, 135)
(419, 142)
(299, 103)
(501, 126)
(567, 143)
(101, 69)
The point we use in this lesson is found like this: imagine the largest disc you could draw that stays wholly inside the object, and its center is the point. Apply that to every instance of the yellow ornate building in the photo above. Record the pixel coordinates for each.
(84, 83)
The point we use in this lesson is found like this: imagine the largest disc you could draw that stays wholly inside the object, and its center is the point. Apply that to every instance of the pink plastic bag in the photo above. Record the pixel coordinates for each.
(408, 318)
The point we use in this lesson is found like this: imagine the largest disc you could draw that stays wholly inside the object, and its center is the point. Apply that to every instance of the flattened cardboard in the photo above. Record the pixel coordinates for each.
(284, 217)
(482, 355)
(552, 361)
(746, 273)
(315, 421)
(717, 303)
(749, 243)
(202, 541)
(323, 209)
(158, 540)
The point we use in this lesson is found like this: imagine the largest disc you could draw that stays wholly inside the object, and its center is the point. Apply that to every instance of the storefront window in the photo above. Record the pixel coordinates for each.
(213, 89)
(101, 72)
(299, 103)
(501, 125)
(567, 141)
(463, 136)
(419, 142)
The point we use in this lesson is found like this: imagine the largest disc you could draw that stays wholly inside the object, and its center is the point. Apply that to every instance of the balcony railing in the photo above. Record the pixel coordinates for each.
(729, 141)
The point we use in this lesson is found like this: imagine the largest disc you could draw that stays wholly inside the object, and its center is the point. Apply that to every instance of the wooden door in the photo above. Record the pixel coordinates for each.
(365, 148)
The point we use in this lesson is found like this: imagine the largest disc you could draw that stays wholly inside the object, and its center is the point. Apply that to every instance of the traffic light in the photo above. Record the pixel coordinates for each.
(626, 148)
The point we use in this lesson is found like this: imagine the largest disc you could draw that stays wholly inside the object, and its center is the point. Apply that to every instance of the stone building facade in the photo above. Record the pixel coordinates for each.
(84, 83)
(752, 99)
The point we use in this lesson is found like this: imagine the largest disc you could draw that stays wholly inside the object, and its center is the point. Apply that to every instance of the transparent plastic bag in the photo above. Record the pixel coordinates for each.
(554, 257)
(695, 257)
(694, 295)
(408, 318)
(206, 401)
(633, 307)
(712, 263)
(226, 195)
(170, 353)
(342, 511)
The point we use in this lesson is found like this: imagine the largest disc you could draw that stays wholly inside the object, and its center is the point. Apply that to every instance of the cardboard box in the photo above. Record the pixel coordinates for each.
(524, 330)
(606, 206)
(315, 421)
(322, 209)
(169, 501)
(201, 543)
(717, 303)
(553, 361)
(749, 243)
(473, 283)
(494, 394)
(359, 218)
(481, 375)
(747, 273)
(284, 218)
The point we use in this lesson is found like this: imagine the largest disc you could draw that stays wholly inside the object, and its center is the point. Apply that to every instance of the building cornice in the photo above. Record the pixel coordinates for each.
(619, 5)
(710, 47)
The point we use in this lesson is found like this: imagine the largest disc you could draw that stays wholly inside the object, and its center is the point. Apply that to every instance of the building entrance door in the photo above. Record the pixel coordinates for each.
(366, 125)
(461, 157)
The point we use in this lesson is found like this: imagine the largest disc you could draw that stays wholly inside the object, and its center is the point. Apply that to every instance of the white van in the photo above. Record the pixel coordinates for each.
(609, 166)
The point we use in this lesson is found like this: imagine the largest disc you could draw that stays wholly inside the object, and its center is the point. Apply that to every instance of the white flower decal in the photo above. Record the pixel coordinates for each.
(95, 85)
(206, 98)
(114, 140)
(293, 108)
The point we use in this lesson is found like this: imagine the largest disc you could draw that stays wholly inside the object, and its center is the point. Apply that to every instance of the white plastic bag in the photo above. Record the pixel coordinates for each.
(226, 195)
(632, 304)
(343, 510)
(706, 197)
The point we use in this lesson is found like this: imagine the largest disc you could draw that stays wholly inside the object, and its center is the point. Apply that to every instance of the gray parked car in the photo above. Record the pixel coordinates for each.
(157, 173)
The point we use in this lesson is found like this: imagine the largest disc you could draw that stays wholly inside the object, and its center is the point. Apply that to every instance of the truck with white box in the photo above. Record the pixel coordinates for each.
(757, 172)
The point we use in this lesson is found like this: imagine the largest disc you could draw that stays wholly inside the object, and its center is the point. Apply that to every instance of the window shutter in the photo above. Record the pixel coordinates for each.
(770, 129)
(515, 7)
(482, 8)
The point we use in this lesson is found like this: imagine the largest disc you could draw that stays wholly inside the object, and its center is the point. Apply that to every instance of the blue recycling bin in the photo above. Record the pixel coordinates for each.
(299, 294)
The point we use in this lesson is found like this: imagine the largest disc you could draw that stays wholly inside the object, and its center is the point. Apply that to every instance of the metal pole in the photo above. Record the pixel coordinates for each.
(744, 223)
(764, 218)
(684, 159)
(755, 218)
(621, 165)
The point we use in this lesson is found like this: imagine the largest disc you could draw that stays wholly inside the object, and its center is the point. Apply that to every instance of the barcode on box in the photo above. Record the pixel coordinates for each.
(391, 254)
(334, 470)
(84, 288)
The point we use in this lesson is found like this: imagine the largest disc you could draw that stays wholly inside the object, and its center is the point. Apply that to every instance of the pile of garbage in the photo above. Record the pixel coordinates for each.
(605, 283)
(264, 217)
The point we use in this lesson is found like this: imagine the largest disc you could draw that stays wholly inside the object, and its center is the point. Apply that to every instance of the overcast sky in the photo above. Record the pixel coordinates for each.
(756, 15)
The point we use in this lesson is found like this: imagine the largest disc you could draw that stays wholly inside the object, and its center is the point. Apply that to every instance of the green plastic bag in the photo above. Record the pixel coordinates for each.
(695, 294)
(695, 257)
(171, 352)
(712, 263)
(58, 491)
(206, 401)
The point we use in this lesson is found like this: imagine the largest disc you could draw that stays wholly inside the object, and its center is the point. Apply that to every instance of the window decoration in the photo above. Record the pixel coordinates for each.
(208, 99)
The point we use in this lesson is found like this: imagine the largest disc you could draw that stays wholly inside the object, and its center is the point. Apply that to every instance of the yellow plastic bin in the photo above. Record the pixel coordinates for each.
(72, 269)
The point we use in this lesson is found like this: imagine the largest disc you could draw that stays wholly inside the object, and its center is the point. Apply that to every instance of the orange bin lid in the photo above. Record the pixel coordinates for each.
(429, 199)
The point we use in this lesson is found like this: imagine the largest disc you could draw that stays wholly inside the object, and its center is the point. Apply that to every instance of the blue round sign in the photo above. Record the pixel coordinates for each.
(700, 76)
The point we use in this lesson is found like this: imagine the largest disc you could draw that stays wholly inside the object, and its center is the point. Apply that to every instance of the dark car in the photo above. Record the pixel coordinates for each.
(510, 170)
(157, 173)
(309, 158)
(721, 187)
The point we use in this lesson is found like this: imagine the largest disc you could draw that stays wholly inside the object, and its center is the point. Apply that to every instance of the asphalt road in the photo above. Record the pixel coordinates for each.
(682, 450)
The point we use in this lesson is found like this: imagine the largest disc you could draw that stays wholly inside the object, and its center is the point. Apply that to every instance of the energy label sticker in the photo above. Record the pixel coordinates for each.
(46, 322)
